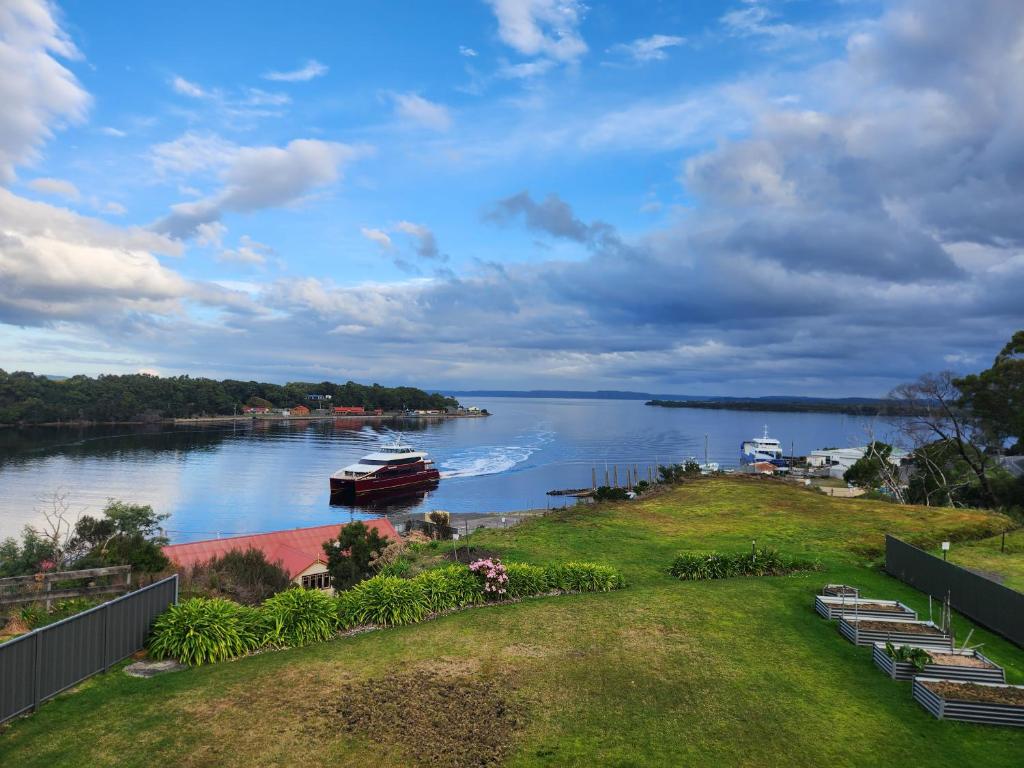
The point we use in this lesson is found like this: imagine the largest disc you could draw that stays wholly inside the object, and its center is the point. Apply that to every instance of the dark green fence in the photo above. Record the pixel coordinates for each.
(39, 665)
(982, 600)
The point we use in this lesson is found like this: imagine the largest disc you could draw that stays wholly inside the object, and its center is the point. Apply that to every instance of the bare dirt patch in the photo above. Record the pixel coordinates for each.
(1012, 695)
(443, 719)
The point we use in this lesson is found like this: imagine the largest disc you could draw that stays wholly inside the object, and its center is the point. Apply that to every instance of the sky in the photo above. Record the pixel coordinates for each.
(743, 197)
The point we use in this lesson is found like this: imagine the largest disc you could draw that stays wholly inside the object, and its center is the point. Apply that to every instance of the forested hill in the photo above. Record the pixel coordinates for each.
(33, 399)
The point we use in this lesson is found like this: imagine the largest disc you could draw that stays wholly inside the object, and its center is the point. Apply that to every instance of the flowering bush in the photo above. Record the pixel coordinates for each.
(494, 575)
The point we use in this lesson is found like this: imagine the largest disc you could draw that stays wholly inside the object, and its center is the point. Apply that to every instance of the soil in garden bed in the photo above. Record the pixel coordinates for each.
(436, 718)
(899, 626)
(957, 660)
(972, 692)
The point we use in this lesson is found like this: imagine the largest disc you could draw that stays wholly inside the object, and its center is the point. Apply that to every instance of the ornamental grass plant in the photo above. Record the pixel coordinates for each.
(205, 630)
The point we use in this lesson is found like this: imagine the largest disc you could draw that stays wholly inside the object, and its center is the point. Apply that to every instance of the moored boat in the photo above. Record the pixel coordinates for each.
(393, 467)
(763, 449)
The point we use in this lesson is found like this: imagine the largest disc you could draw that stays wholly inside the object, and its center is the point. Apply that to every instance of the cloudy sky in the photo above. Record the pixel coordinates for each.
(734, 197)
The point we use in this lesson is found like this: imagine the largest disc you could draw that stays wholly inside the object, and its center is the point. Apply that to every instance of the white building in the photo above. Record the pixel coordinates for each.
(838, 460)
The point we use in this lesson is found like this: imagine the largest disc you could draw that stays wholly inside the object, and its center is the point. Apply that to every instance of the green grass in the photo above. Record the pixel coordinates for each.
(987, 557)
(732, 672)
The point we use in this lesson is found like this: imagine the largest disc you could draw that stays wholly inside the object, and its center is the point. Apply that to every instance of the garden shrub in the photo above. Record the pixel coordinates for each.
(585, 577)
(449, 587)
(245, 576)
(388, 601)
(401, 568)
(718, 565)
(525, 580)
(204, 630)
(298, 617)
(492, 575)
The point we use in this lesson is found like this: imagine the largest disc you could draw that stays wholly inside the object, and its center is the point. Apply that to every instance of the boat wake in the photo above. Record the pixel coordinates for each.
(494, 459)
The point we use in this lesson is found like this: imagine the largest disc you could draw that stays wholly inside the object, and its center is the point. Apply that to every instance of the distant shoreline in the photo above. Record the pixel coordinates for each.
(850, 409)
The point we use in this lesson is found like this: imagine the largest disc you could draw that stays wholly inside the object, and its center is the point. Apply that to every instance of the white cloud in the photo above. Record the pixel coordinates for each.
(311, 70)
(117, 133)
(541, 27)
(249, 251)
(56, 187)
(415, 109)
(211, 234)
(525, 70)
(190, 89)
(114, 208)
(263, 177)
(648, 48)
(467, 52)
(37, 93)
(191, 153)
(378, 236)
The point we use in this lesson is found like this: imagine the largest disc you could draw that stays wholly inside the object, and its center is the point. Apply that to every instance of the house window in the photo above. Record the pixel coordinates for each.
(317, 581)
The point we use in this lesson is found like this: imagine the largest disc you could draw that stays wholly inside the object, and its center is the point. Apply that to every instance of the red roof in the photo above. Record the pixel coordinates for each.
(764, 466)
(296, 549)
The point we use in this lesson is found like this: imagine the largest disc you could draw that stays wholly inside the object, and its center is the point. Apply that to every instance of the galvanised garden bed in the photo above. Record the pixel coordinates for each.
(947, 665)
(840, 590)
(990, 703)
(833, 607)
(924, 634)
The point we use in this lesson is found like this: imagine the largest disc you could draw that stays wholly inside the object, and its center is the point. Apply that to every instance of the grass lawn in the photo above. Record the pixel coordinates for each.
(986, 557)
(738, 672)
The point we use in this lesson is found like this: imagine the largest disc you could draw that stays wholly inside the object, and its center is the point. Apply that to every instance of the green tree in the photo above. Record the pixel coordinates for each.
(995, 397)
(349, 556)
(869, 470)
(126, 534)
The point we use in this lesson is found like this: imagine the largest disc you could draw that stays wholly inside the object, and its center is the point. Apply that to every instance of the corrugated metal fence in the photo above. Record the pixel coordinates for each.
(39, 665)
(992, 605)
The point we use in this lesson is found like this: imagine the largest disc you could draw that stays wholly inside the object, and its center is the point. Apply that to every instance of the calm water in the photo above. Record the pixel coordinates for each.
(245, 479)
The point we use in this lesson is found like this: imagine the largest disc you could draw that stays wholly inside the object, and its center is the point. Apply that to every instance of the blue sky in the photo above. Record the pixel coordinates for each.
(749, 197)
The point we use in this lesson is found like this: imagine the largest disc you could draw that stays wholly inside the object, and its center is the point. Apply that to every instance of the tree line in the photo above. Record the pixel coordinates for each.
(28, 398)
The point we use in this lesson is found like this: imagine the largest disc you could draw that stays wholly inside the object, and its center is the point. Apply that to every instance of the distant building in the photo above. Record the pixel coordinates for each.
(349, 410)
(299, 551)
(838, 460)
(300, 410)
(255, 409)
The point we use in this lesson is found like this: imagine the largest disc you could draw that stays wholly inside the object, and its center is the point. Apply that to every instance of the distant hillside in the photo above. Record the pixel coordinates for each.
(852, 406)
(857, 406)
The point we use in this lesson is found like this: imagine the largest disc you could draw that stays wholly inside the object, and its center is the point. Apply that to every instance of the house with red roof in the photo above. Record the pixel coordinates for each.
(300, 551)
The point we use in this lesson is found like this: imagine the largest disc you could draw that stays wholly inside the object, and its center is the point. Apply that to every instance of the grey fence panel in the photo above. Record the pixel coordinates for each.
(982, 600)
(51, 659)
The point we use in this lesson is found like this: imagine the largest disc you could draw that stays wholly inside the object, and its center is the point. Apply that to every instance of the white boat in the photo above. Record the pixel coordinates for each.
(762, 449)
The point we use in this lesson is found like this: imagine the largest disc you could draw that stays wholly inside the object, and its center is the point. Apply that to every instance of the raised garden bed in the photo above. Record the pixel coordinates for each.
(948, 665)
(924, 634)
(991, 703)
(839, 590)
(833, 607)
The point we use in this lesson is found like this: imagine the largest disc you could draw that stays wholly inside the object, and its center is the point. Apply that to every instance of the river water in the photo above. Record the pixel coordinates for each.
(227, 479)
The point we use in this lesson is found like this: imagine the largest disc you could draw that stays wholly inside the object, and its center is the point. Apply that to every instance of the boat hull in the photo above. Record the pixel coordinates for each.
(369, 485)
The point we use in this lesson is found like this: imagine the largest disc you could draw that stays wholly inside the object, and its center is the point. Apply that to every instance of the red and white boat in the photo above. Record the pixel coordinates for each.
(394, 467)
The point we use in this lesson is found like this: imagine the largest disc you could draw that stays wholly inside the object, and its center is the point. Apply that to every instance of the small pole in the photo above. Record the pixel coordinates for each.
(593, 478)
(615, 474)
